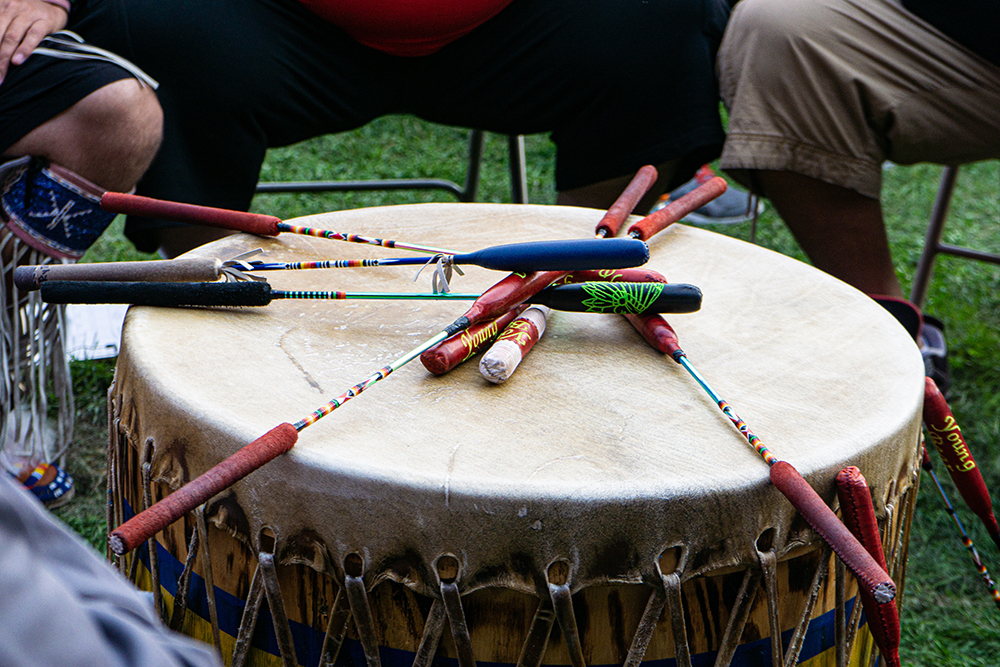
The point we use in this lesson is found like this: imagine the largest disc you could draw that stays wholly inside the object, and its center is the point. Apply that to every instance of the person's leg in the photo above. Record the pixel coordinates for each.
(618, 88)
(109, 137)
(840, 230)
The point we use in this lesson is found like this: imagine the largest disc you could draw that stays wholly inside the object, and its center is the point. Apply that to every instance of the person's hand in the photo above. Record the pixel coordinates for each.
(23, 25)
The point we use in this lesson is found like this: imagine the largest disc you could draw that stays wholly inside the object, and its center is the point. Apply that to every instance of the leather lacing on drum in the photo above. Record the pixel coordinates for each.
(352, 598)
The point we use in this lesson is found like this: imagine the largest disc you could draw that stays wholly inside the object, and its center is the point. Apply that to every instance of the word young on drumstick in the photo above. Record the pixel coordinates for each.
(950, 444)
(513, 344)
(592, 297)
(784, 476)
(966, 540)
(501, 298)
(569, 255)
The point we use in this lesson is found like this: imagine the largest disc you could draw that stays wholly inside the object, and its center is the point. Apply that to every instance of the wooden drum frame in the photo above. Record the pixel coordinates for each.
(597, 508)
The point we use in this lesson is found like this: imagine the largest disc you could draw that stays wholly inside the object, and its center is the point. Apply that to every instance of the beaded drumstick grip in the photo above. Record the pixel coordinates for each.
(146, 207)
(613, 220)
(207, 269)
(462, 346)
(784, 476)
(147, 523)
(659, 220)
(859, 517)
(950, 444)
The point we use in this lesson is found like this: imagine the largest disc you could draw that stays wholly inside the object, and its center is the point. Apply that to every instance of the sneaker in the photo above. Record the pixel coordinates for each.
(935, 353)
(733, 206)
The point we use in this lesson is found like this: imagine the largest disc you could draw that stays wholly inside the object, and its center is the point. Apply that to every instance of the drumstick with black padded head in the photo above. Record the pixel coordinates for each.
(966, 540)
(499, 299)
(568, 255)
(590, 297)
(784, 476)
(950, 444)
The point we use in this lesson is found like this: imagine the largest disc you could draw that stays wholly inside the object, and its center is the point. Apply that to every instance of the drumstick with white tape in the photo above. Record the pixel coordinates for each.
(966, 540)
(591, 297)
(859, 517)
(784, 476)
(513, 344)
(568, 255)
(950, 444)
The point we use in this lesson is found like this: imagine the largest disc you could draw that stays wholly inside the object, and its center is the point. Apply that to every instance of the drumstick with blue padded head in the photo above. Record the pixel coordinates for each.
(784, 476)
(566, 255)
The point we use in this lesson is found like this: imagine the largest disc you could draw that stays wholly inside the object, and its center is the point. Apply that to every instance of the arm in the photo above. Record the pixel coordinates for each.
(24, 24)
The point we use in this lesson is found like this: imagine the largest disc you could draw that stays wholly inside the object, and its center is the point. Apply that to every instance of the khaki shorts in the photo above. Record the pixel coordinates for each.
(832, 88)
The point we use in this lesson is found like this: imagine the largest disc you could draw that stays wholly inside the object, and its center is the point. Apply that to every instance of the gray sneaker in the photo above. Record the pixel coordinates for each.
(733, 206)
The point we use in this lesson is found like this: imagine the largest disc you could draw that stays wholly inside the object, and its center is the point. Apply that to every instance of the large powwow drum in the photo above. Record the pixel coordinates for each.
(596, 508)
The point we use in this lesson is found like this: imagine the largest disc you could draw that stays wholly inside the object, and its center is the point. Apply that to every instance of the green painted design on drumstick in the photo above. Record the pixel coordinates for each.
(620, 297)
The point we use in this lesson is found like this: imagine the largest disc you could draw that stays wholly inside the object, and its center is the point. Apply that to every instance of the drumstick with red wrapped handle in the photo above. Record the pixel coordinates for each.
(792, 485)
(966, 540)
(859, 517)
(239, 221)
(499, 299)
(950, 444)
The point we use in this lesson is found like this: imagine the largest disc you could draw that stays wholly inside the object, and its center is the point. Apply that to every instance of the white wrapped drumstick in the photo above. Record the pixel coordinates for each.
(511, 346)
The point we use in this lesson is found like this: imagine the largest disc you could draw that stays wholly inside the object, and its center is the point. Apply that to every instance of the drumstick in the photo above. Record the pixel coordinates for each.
(240, 221)
(566, 255)
(502, 297)
(950, 444)
(588, 297)
(792, 485)
(859, 517)
(966, 540)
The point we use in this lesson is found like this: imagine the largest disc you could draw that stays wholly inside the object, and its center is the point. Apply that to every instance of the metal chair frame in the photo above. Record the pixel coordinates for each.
(465, 193)
(932, 244)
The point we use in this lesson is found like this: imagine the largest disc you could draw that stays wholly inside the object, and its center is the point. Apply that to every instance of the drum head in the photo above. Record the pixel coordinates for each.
(599, 450)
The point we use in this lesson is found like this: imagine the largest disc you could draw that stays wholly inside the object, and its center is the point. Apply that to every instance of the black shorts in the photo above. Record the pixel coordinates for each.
(617, 84)
(42, 87)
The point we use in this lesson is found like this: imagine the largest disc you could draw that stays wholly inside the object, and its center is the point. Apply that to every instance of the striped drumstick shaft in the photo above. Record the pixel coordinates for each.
(949, 442)
(783, 475)
(499, 299)
(966, 540)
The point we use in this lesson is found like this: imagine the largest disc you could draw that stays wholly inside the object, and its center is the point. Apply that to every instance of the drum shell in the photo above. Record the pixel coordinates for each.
(344, 515)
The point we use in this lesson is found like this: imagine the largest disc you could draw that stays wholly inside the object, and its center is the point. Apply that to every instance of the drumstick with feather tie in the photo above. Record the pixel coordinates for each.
(784, 476)
(499, 299)
(567, 255)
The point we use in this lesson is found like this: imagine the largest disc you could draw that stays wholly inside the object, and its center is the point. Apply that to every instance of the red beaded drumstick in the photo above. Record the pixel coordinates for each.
(859, 517)
(950, 444)
(505, 295)
(240, 221)
(792, 485)
(966, 540)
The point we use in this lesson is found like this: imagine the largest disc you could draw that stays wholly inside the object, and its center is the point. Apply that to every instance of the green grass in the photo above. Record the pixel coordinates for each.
(948, 618)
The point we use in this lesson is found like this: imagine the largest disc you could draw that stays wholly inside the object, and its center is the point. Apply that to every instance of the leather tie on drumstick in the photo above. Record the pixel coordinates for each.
(792, 485)
(966, 540)
(859, 517)
(950, 444)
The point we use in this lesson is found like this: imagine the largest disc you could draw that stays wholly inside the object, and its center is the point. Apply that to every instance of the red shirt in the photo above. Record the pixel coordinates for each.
(406, 27)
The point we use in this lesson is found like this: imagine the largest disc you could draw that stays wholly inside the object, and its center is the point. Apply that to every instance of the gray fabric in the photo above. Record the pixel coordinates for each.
(60, 604)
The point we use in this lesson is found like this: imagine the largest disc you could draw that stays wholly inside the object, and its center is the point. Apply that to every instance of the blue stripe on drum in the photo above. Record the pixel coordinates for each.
(819, 638)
